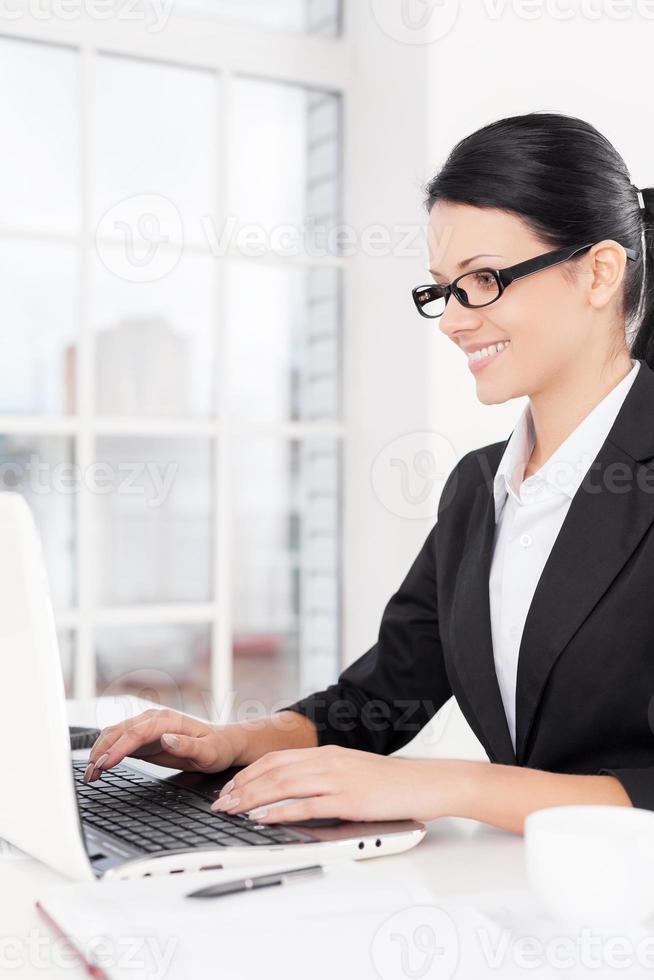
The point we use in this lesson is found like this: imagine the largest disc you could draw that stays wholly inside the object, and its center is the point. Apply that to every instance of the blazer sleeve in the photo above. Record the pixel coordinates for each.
(385, 697)
(638, 784)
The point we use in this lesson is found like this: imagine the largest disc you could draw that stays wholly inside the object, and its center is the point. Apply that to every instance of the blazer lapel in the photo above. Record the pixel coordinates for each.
(602, 528)
(470, 636)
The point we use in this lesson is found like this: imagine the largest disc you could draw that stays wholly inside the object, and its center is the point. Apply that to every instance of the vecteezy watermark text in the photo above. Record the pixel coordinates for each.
(40, 477)
(142, 238)
(153, 14)
(146, 955)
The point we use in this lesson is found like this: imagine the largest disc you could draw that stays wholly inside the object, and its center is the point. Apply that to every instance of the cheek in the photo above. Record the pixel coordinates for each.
(541, 342)
(536, 318)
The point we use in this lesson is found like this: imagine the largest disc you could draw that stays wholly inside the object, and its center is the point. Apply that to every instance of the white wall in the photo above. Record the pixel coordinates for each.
(389, 353)
(394, 357)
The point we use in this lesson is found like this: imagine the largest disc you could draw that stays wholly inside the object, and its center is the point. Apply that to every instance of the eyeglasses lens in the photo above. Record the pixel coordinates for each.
(430, 303)
(479, 288)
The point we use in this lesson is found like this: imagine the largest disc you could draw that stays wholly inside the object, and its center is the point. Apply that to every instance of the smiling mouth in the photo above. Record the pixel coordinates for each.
(479, 355)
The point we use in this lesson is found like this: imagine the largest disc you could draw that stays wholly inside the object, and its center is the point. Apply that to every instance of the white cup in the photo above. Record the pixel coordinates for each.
(592, 865)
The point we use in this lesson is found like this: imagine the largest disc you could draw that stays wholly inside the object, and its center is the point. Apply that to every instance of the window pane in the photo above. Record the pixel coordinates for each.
(286, 568)
(283, 327)
(285, 174)
(154, 143)
(153, 520)
(39, 327)
(41, 469)
(155, 341)
(167, 664)
(39, 121)
(320, 17)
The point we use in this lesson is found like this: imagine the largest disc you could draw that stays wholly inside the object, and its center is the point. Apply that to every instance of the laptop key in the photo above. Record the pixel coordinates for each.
(250, 837)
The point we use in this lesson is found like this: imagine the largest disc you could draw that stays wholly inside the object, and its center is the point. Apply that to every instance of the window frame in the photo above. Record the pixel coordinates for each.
(228, 50)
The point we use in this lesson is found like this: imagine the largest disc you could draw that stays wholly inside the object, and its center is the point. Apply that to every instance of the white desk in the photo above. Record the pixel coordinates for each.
(455, 857)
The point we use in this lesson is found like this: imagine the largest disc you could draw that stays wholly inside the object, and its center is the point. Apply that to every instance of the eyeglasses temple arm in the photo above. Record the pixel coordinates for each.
(523, 269)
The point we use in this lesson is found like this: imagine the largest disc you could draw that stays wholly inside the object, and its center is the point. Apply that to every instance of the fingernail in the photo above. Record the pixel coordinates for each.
(171, 740)
(227, 803)
(90, 770)
(226, 788)
(258, 812)
(222, 803)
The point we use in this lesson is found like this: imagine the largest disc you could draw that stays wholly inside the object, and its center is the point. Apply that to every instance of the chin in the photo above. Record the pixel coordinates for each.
(492, 395)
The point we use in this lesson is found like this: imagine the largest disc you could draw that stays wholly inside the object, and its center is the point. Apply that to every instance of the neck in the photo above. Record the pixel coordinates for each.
(563, 404)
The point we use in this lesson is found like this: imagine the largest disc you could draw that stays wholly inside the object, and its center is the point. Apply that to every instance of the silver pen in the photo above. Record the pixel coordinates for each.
(258, 881)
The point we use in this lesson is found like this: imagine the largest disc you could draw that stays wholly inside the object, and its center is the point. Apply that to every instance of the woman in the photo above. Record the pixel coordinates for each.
(556, 522)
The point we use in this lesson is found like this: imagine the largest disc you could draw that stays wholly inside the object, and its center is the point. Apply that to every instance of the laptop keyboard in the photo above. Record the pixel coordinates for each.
(156, 816)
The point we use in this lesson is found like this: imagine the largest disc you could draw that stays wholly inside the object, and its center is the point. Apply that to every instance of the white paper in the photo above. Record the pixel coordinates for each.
(148, 929)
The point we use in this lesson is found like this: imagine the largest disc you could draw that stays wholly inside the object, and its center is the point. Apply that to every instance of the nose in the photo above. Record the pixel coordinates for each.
(457, 320)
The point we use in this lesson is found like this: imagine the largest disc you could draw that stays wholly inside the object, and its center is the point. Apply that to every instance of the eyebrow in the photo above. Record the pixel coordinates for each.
(466, 262)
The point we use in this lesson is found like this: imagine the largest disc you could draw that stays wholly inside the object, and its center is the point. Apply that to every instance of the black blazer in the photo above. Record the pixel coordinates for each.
(585, 682)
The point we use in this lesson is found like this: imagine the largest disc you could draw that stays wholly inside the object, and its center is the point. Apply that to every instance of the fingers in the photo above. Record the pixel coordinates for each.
(273, 760)
(304, 778)
(142, 735)
(199, 751)
(309, 809)
(270, 790)
(109, 735)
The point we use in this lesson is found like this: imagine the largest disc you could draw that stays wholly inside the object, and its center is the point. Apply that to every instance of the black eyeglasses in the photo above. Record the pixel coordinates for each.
(481, 287)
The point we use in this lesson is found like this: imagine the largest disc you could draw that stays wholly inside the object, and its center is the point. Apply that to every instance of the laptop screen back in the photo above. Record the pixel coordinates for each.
(38, 809)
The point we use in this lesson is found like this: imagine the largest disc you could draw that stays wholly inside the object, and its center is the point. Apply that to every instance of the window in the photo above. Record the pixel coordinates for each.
(171, 385)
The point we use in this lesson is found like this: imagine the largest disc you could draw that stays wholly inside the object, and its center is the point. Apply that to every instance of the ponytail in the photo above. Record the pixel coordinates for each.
(643, 343)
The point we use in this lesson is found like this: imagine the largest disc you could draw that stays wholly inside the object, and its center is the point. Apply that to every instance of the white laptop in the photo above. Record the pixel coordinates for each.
(133, 822)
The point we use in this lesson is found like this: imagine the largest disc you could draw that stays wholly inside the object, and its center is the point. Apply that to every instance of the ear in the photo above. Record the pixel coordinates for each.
(606, 263)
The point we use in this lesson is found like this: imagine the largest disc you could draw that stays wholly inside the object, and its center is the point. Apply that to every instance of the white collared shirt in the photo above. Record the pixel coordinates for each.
(528, 516)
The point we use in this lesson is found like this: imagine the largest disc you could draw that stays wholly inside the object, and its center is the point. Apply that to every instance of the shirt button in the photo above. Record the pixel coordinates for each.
(526, 540)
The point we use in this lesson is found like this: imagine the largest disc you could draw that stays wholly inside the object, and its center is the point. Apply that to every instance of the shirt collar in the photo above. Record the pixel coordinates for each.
(565, 469)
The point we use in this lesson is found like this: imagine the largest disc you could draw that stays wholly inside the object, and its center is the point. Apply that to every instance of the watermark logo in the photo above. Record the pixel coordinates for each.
(427, 21)
(416, 21)
(408, 474)
(418, 943)
(141, 238)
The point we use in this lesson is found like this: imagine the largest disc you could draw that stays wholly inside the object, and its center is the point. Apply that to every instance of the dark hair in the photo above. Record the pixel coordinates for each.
(570, 186)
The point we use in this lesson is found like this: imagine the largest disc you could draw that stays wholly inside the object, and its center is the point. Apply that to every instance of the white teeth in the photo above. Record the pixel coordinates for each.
(485, 351)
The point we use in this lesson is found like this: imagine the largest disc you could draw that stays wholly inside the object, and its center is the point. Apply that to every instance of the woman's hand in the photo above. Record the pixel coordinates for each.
(337, 782)
(166, 737)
